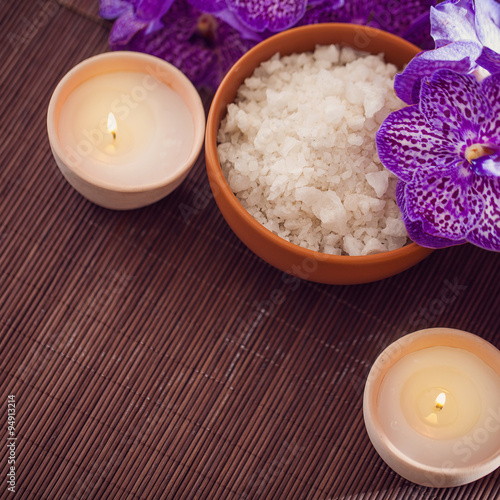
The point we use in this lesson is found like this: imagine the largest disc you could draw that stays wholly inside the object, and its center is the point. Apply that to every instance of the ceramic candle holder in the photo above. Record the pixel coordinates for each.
(432, 407)
(157, 130)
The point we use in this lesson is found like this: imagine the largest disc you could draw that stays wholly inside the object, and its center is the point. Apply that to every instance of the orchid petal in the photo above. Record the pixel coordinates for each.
(247, 33)
(457, 56)
(395, 17)
(209, 6)
(443, 203)
(453, 22)
(486, 232)
(124, 29)
(489, 60)
(333, 4)
(490, 130)
(414, 228)
(487, 23)
(406, 144)
(111, 9)
(324, 11)
(275, 15)
(454, 102)
(149, 10)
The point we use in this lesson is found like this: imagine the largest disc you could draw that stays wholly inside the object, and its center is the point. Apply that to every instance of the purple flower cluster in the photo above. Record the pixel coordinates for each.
(203, 47)
(445, 151)
(408, 19)
(205, 37)
(445, 147)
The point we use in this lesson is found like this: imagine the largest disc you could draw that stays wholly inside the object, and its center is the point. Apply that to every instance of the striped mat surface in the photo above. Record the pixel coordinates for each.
(151, 355)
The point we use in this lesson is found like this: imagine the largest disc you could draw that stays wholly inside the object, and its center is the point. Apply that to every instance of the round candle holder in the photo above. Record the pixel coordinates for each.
(465, 461)
(161, 175)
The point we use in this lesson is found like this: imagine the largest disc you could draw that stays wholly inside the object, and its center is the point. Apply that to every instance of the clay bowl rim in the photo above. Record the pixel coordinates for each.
(238, 72)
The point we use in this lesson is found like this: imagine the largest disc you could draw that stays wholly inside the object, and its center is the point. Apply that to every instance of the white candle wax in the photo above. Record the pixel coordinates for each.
(465, 428)
(432, 407)
(154, 135)
(158, 120)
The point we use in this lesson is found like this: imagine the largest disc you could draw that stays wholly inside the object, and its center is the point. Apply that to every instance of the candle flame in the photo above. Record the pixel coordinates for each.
(112, 127)
(440, 401)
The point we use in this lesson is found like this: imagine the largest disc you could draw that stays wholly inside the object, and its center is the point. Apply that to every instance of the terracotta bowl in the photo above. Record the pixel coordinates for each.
(286, 256)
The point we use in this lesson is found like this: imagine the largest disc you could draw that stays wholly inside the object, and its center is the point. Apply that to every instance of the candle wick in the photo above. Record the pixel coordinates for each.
(113, 133)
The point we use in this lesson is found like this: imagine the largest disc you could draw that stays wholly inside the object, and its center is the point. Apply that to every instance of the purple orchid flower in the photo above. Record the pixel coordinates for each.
(467, 37)
(220, 10)
(409, 19)
(204, 37)
(274, 15)
(201, 46)
(133, 16)
(261, 18)
(445, 151)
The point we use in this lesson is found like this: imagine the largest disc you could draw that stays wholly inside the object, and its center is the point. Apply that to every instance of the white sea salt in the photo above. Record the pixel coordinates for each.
(298, 149)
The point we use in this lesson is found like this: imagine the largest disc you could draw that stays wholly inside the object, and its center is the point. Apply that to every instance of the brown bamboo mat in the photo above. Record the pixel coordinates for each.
(152, 355)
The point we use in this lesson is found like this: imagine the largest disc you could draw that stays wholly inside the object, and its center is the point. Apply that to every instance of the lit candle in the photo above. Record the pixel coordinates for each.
(432, 407)
(125, 128)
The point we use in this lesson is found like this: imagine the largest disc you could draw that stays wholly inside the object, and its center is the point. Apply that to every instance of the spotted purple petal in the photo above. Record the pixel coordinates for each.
(324, 11)
(443, 203)
(457, 57)
(453, 103)
(275, 15)
(414, 228)
(393, 16)
(407, 144)
(467, 36)
(486, 232)
(397, 17)
(247, 33)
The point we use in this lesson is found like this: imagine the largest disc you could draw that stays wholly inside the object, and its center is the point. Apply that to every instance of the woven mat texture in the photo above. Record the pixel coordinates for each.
(152, 355)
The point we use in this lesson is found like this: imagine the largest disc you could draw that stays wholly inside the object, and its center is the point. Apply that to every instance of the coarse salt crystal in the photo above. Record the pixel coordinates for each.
(379, 181)
(298, 149)
(373, 246)
(353, 246)
(355, 139)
